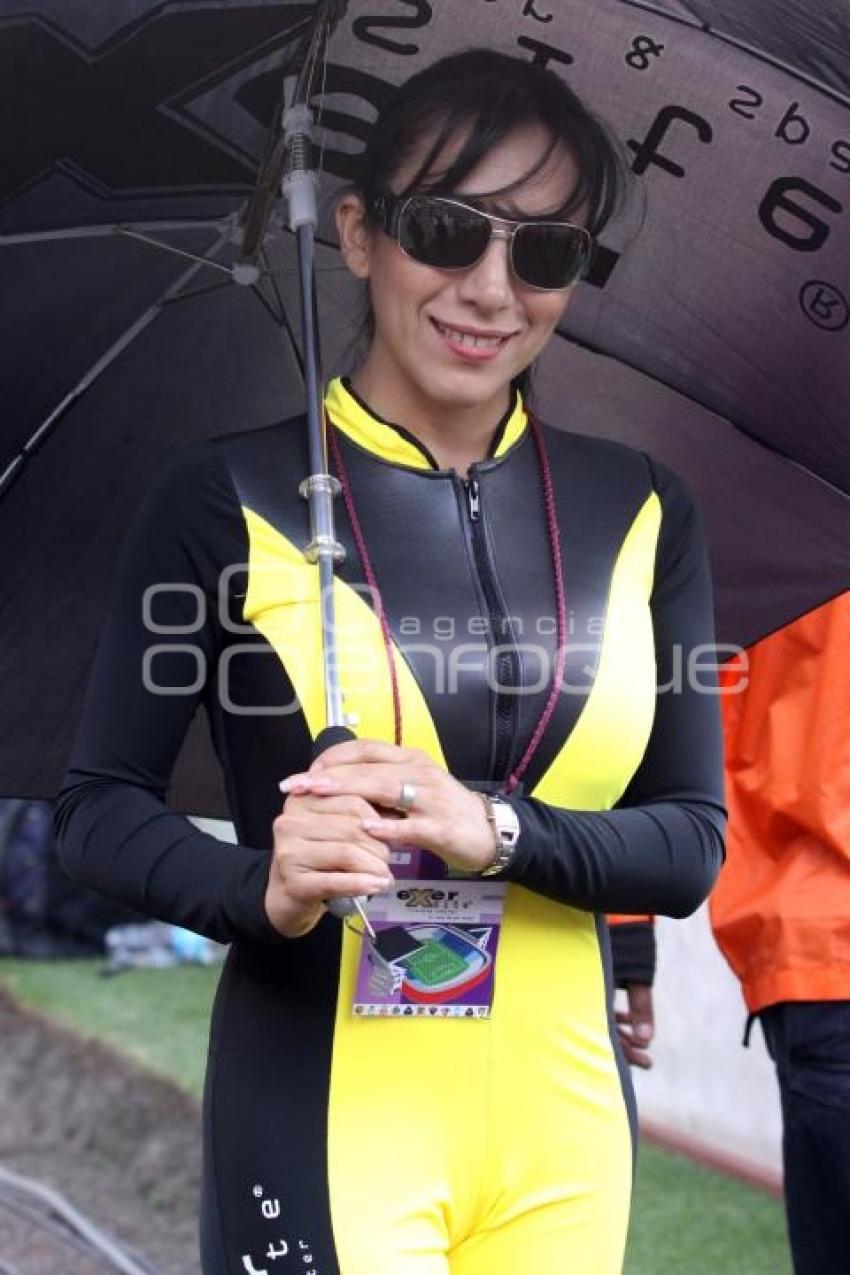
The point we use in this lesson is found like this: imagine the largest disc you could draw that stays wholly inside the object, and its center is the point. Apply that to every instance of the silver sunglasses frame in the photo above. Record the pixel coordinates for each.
(392, 211)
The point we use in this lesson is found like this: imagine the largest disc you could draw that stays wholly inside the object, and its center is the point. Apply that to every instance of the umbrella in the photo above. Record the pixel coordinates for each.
(713, 331)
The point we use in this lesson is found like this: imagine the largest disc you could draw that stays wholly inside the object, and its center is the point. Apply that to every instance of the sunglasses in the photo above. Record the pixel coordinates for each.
(450, 235)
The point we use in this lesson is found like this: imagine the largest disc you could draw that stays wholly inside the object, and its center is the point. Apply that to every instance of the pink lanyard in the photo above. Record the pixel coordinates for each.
(555, 546)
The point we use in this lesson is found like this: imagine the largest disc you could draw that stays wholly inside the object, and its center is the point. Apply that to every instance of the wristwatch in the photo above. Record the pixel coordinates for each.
(504, 821)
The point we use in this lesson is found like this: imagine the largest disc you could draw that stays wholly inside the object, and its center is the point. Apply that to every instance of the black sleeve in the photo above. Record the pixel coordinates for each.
(659, 851)
(633, 952)
(114, 829)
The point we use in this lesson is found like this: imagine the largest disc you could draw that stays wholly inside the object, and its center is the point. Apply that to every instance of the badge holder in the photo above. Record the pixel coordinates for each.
(433, 942)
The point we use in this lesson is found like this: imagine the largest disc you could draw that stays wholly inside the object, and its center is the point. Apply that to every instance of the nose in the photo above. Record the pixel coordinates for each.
(489, 283)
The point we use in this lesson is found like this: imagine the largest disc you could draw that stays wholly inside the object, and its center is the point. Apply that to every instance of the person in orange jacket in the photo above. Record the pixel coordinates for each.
(781, 908)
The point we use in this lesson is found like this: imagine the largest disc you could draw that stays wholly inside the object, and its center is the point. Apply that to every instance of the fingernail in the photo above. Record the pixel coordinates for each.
(307, 783)
(371, 825)
(295, 783)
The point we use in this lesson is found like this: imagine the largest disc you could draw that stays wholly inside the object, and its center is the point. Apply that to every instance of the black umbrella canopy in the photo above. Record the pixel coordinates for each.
(713, 331)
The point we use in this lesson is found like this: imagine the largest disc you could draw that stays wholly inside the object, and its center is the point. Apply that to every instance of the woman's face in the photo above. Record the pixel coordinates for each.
(417, 359)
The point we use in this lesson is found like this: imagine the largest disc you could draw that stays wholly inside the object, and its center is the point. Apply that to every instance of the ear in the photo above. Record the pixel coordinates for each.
(355, 234)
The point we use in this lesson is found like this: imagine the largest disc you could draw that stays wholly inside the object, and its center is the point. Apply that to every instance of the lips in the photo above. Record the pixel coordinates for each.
(473, 344)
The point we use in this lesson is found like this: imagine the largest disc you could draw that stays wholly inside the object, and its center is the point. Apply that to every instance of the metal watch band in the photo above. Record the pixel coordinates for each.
(505, 824)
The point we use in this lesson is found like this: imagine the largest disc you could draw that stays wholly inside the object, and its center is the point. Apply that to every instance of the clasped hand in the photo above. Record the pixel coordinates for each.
(338, 823)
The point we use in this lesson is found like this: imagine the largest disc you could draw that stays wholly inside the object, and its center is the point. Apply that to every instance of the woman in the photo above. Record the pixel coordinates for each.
(335, 1139)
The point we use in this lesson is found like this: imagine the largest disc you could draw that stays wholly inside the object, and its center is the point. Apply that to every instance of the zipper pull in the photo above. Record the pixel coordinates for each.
(473, 500)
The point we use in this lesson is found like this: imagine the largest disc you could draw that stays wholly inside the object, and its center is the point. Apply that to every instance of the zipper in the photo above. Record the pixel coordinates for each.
(505, 706)
(473, 498)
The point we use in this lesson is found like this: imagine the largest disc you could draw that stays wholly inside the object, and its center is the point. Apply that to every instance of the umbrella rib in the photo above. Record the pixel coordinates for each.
(128, 232)
(96, 232)
(269, 274)
(256, 214)
(299, 358)
(282, 318)
(134, 232)
(194, 293)
(16, 465)
(266, 304)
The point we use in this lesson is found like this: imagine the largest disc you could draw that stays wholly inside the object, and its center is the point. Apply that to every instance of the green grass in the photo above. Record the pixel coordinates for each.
(686, 1220)
(157, 1017)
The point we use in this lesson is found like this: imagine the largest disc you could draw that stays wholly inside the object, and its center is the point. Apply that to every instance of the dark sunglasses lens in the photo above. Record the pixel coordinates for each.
(441, 234)
(550, 256)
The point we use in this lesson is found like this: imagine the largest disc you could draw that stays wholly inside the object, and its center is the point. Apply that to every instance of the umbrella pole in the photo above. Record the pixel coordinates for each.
(320, 487)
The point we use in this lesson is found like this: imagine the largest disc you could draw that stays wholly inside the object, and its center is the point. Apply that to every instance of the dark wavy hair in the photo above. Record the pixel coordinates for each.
(485, 96)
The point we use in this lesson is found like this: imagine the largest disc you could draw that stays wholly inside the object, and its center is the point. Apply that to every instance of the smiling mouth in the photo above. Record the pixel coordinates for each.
(491, 342)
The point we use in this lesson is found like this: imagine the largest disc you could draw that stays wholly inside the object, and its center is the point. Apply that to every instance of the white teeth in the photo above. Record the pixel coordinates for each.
(466, 338)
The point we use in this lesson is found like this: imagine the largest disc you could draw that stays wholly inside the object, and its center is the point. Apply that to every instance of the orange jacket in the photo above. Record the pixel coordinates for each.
(781, 908)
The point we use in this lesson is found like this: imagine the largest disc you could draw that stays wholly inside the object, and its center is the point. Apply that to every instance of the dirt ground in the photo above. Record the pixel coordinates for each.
(122, 1146)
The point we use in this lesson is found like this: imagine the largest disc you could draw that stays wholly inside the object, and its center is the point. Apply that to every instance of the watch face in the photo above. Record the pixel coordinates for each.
(506, 821)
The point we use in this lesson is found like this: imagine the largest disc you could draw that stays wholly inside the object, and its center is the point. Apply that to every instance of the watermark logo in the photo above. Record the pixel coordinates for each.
(443, 661)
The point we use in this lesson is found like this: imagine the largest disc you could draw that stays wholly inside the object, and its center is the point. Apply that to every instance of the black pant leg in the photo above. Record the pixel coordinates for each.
(265, 1206)
(809, 1042)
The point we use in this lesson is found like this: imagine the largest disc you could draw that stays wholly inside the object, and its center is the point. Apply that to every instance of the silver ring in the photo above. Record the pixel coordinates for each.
(407, 796)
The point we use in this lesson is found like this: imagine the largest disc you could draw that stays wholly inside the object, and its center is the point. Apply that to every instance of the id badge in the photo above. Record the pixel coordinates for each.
(435, 947)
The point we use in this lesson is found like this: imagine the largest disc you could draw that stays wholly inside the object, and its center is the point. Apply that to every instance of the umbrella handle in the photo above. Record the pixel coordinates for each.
(339, 907)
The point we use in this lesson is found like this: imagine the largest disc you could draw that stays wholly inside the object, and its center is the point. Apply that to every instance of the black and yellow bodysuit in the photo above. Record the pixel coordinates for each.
(412, 1146)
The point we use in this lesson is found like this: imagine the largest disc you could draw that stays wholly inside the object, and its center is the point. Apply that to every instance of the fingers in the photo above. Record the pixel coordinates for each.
(355, 751)
(634, 1056)
(640, 1011)
(640, 1001)
(339, 885)
(313, 871)
(315, 887)
(342, 856)
(305, 830)
(636, 1025)
(411, 830)
(312, 804)
(309, 871)
(380, 785)
(322, 851)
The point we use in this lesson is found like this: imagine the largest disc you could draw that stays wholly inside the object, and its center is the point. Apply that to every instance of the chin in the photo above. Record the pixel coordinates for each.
(462, 390)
